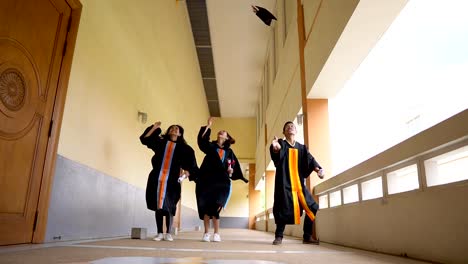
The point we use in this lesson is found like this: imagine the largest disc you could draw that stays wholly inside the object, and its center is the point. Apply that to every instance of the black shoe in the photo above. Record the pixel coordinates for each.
(310, 241)
(277, 241)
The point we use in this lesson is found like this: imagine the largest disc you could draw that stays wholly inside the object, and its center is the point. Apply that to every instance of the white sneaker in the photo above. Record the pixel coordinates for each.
(206, 237)
(158, 237)
(216, 237)
(168, 237)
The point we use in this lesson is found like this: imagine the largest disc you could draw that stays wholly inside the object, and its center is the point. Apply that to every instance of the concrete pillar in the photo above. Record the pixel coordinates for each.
(319, 136)
(269, 195)
(254, 198)
(319, 141)
(269, 188)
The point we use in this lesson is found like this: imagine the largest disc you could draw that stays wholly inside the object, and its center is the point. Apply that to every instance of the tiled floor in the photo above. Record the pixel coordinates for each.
(238, 246)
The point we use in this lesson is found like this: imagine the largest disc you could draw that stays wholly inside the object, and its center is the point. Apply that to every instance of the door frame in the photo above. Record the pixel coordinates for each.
(57, 115)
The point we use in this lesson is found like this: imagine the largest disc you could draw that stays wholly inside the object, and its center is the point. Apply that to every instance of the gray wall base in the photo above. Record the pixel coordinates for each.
(88, 204)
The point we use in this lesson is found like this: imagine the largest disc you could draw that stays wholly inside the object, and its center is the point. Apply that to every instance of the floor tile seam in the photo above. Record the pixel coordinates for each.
(213, 250)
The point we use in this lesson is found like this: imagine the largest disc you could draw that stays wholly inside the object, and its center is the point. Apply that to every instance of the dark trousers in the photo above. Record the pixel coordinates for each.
(159, 221)
(307, 228)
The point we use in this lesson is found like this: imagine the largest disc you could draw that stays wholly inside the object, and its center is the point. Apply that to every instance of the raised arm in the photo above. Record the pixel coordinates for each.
(203, 138)
(155, 126)
(150, 136)
(275, 149)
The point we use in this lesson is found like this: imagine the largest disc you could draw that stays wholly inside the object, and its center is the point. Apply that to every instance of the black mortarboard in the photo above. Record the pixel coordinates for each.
(264, 14)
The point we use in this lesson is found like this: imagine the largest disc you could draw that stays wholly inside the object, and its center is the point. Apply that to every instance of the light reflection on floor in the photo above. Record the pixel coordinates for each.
(194, 260)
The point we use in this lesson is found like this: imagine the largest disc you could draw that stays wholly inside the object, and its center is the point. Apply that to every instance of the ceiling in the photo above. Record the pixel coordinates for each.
(232, 55)
(232, 41)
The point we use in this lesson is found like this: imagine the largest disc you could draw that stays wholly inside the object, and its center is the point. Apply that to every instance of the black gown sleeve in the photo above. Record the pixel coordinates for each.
(204, 141)
(152, 141)
(189, 162)
(276, 157)
(237, 174)
(310, 161)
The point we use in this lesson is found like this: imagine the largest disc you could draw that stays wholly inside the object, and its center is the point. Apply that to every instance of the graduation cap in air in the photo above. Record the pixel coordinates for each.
(265, 15)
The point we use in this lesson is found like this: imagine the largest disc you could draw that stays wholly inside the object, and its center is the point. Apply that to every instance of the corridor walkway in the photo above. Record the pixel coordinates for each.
(238, 246)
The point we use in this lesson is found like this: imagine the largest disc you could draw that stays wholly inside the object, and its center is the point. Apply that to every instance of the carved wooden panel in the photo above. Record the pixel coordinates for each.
(32, 37)
(12, 89)
(19, 83)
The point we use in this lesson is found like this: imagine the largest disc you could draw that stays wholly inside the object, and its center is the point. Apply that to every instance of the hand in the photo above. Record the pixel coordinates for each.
(157, 123)
(182, 172)
(210, 121)
(321, 173)
(275, 144)
(182, 178)
(230, 171)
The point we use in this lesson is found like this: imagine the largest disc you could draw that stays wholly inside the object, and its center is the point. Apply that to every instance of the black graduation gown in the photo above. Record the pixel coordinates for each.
(284, 209)
(213, 187)
(163, 189)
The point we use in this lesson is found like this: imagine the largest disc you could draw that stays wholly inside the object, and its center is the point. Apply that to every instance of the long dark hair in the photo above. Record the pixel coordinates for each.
(180, 139)
(230, 141)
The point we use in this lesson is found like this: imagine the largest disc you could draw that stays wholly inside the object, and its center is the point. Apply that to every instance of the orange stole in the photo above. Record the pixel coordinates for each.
(164, 173)
(297, 194)
(221, 154)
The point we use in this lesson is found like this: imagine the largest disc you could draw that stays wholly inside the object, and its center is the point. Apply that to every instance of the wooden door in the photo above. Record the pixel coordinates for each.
(32, 44)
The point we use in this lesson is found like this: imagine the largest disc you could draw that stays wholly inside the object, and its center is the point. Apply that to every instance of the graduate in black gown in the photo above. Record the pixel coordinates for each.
(219, 167)
(294, 164)
(172, 156)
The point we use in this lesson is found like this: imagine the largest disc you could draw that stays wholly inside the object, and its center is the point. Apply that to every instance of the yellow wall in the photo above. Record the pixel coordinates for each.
(129, 59)
(238, 205)
(242, 130)
(130, 56)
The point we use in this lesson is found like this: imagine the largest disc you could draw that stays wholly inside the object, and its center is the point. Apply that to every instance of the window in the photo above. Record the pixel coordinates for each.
(259, 121)
(261, 110)
(446, 168)
(285, 23)
(335, 198)
(323, 201)
(413, 60)
(403, 180)
(372, 189)
(351, 194)
(266, 83)
(275, 51)
(290, 10)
